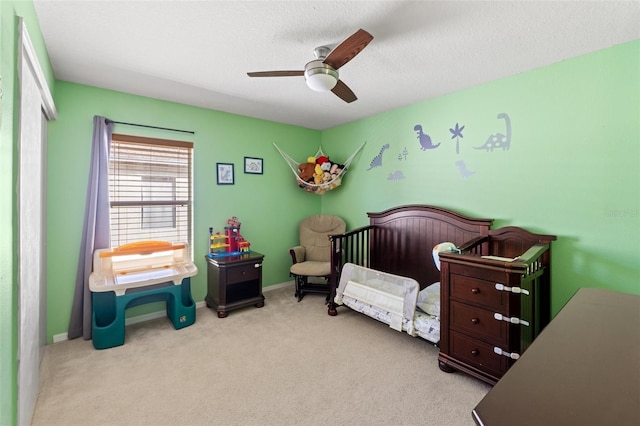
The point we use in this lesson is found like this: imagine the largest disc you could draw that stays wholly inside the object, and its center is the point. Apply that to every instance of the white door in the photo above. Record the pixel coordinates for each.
(35, 100)
(43, 242)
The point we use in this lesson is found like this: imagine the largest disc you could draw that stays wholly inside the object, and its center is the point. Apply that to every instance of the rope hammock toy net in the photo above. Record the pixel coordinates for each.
(318, 178)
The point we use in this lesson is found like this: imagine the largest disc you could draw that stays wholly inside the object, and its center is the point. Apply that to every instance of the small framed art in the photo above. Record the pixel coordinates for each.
(253, 165)
(224, 173)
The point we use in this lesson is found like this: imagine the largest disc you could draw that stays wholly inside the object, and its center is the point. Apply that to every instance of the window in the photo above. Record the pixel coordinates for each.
(150, 190)
(158, 189)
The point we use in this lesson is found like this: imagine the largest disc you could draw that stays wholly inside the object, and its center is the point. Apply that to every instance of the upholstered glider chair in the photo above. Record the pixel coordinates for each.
(312, 258)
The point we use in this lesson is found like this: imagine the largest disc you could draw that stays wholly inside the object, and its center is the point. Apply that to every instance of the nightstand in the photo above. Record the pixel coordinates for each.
(234, 282)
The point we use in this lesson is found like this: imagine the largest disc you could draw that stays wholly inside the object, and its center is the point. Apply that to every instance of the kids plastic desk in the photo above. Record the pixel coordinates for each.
(135, 274)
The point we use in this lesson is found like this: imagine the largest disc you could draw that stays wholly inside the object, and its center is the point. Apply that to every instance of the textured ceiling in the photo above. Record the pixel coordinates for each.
(198, 52)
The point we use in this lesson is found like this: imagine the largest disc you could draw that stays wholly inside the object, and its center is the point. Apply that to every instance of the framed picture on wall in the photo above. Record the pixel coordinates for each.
(224, 173)
(253, 165)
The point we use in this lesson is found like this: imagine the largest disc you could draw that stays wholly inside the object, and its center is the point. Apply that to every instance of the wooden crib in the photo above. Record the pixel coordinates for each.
(400, 241)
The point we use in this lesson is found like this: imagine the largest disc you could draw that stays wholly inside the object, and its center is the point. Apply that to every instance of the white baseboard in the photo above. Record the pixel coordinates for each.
(60, 337)
(160, 314)
(278, 286)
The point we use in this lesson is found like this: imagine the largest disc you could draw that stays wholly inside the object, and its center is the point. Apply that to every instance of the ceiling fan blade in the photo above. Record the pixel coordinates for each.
(343, 92)
(348, 49)
(276, 74)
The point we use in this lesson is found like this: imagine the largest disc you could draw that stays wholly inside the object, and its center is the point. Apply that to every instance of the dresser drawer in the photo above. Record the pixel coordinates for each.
(477, 354)
(497, 276)
(479, 323)
(475, 291)
(243, 273)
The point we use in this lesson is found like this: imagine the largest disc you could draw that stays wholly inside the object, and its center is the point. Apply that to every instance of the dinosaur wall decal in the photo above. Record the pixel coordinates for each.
(424, 139)
(377, 160)
(498, 140)
(462, 167)
(396, 176)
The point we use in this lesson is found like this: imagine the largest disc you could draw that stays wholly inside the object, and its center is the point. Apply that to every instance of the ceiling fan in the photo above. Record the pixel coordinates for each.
(321, 74)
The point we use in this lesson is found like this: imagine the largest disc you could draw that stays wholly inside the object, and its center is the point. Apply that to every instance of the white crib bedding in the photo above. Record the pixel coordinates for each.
(376, 313)
(423, 325)
(427, 326)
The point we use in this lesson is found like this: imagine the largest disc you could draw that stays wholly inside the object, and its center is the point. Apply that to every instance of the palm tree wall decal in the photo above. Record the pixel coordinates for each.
(457, 134)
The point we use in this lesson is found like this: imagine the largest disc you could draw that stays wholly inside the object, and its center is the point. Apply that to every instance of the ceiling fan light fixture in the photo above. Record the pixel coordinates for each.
(320, 76)
(321, 82)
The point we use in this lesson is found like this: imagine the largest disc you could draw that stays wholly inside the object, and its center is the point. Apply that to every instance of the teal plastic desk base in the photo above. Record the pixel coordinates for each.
(108, 322)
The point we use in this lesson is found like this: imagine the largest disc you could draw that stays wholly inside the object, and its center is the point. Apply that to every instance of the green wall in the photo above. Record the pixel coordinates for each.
(9, 33)
(572, 170)
(269, 205)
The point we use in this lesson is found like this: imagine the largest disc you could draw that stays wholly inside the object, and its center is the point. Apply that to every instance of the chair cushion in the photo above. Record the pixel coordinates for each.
(314, 232)
(311, 268)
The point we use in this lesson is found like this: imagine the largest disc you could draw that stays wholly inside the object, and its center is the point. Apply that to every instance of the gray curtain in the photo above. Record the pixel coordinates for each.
(95, 232)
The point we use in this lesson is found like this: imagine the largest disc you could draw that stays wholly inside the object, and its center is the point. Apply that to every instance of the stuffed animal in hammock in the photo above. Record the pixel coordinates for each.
(306, 172)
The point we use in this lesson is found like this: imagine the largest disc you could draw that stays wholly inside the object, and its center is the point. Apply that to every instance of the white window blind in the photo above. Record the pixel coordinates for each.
(150, 190)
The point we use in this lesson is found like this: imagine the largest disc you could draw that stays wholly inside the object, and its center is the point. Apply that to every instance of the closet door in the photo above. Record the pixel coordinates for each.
(30, 245)
(36, 105)
(43, 243)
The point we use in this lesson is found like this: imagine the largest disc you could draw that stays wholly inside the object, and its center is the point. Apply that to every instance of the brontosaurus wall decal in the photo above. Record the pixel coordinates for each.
(377, 160)
(498, 140)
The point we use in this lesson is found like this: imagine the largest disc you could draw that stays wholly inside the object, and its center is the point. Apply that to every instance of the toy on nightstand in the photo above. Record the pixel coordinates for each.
(217, 243)
(231, 243)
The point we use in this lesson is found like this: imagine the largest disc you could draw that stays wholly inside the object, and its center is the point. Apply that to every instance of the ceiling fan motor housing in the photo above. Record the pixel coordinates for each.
(320, 77)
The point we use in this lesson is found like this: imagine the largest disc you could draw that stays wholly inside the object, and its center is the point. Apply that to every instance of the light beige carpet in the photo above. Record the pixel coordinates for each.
(287, 363)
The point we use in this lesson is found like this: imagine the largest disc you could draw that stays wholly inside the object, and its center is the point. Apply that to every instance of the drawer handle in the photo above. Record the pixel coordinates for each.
(475, 290)
(475, 320)
(475, 352)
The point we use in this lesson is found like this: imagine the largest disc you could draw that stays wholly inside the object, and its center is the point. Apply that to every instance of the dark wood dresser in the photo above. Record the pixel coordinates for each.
(582, 370)
(495, 300)
(234, 282)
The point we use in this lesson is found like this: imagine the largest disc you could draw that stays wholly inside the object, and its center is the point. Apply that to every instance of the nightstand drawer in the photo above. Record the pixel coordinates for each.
(479, 323)
(477, 354)
(475, 291)
(243, 273)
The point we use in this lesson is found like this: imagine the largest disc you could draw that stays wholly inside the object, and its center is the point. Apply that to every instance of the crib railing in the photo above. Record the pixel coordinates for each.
(478, 246)
(350, 247)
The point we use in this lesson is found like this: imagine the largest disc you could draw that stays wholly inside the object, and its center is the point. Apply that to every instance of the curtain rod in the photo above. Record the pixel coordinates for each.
(149, 127)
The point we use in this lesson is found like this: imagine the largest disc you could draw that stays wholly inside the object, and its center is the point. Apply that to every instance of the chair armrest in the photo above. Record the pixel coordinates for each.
(297, 254)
